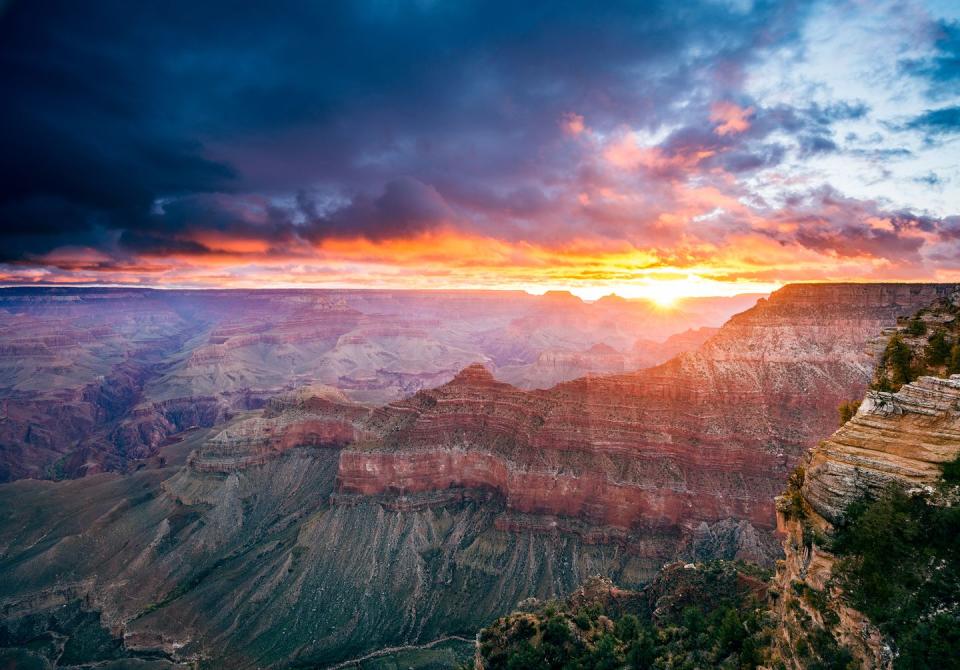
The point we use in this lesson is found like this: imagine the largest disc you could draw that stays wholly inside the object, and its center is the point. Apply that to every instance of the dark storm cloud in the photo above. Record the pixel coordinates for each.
(178, 226)
(406, 207)
(111, 107)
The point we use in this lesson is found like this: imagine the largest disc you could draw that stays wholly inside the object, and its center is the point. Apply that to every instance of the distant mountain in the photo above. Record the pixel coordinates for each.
(94, 379)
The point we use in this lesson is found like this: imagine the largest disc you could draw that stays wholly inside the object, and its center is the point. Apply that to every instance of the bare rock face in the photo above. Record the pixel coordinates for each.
(96, 379)
(895, 440)
(576, 455)
(310, 422)
(707, 437)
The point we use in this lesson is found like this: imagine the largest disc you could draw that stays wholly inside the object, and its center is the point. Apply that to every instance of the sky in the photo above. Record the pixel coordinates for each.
(641, 148)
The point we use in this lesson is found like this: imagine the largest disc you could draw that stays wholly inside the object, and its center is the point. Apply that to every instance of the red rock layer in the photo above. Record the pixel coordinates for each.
(706, 436)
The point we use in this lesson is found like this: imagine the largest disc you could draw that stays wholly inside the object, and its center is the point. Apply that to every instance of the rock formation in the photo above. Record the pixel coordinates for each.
(708, 436)
(895, 441)
(96, 379)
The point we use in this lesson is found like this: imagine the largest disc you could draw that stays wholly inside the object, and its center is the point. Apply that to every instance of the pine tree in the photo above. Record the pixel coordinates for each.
(938, 349)
(897, 357)
(953, 365)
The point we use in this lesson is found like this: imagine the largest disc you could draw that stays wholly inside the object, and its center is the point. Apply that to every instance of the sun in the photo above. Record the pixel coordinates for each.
(666, 294)
(669, 293)
(664, 301)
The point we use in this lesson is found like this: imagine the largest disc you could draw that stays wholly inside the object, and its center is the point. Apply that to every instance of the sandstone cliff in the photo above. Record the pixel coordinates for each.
(708, 436)
(97, 379)
(896, 441)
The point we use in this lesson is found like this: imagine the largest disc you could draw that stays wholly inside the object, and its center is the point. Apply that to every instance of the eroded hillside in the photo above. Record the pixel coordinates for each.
(98, 379)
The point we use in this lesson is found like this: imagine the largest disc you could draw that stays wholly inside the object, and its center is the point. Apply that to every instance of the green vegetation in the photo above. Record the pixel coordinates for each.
(820, 651)
(907, 356)
(847, 410)
(953, 363)
(794, 495)
(901, 567)
(895, 364)
(67, 636)
(916, 327)
(899, 564)
(937, 351)
(57, 470)
(711, 616)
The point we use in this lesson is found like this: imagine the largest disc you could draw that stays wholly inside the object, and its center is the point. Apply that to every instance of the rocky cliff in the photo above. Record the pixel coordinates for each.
(896, 443)
(708, 436)
(97, 379)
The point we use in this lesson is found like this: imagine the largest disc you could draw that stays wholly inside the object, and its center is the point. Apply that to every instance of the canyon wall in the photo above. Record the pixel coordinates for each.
(315, 530)
(709, 435)
(98, 379)
(897, 441)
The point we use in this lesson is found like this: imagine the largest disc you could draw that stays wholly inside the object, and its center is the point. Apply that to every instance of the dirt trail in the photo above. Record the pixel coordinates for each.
(394, 650)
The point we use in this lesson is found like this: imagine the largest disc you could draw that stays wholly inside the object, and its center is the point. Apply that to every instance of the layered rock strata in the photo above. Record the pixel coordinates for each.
(708, 436)
(895, 440)
(96, 379)
(319, 530)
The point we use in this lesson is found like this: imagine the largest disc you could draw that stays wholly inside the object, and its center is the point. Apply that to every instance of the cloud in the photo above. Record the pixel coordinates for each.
(406, 208)
(572, 124)
(730, 118)
(941, 66)
(943, 121)
(252, 139)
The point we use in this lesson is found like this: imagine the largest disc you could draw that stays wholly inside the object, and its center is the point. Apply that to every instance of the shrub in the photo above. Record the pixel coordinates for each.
(524, 630)
(847, 410)
(953, 365)
(932, 645)
(937, 351)
(527, 657)
(713, 621)
(900, 565)
(794, 495)
(951, 472)
(896, 362)
(628, 628)
(916, 327)
(642, 653)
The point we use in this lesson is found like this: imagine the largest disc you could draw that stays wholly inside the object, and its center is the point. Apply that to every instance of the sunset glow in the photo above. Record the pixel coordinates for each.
(753, 146)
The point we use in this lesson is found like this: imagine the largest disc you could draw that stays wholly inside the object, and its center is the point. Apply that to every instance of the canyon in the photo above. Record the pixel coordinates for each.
(871, 560)
(311, 527)
(97, 379)
(707, 436)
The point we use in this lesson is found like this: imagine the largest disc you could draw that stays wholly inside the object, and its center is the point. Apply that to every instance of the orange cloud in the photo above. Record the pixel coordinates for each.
(731, 118)
(572, 124)
(627, 154)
